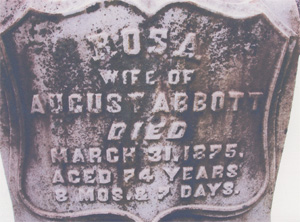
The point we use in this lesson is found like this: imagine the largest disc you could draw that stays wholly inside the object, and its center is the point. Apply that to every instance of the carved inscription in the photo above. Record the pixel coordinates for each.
(154, 154)
(132, 43)
(140, 115)
(215, 166)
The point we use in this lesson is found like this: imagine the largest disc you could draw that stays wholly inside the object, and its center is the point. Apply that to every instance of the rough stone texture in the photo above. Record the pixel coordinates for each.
(145, 111)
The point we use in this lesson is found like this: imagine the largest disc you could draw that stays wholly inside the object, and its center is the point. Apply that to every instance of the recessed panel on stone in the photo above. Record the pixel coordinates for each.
(122, 113)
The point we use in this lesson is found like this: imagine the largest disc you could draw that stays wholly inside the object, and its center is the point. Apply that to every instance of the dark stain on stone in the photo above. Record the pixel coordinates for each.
(67, 72)
(93, 8)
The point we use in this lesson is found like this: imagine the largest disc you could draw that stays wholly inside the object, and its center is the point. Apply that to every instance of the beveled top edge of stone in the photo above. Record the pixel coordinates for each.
(285, 19)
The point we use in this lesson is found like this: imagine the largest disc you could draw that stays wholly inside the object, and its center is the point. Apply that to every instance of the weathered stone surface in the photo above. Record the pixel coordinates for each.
(142, 111)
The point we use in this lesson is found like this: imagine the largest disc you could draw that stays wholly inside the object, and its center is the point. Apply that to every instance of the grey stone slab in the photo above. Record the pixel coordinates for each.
(145, 111)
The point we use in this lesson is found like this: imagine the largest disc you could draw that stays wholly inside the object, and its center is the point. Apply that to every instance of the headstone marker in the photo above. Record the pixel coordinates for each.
(145, 111)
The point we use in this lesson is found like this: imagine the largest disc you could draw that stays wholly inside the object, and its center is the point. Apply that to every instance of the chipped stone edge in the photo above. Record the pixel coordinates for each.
(207, 210)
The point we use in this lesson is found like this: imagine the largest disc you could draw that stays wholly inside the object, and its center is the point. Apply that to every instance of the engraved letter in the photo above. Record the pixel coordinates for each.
(186, 152)
(128, 174)
(168, 153)
(55, 102)
(101, 46)
(187, 173)
(232, 170)
(103, 194)
(217, 102)
(134, 97)
(112, 155)
(133, 73)
(128, 153)
(75, 105)
(187, 47)
(200, 192)
(58, 178)
(236, 96)
(109, 75)
(202, 174)
(136, 129)
(59, 155)
(158, 35)
(186, 191)
(146, 176)
(116, 131)
(113, 105)
(199, 101)
(78, 156)
(153, 131)
(214, 149)
(141, 193)
(231, 150)
(131, 41)
(187, 75)
(95, 155)
(173, 77)
(180, 102)
(255, 96)
(61, 194)
(161, 103)
(217, 171)
(149, 78)
(117, 194)
(228, 188)
(73, 176)
(94, 103)
(199, 152)
(104, 176)
(171, 172)
(154, 153)
(86, 194)
(89, 176)
(177, 130)
(163, 192)
(37, 106)
(213, 188)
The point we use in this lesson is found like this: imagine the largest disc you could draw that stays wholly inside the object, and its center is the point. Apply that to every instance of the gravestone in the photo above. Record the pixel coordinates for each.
(145, 111)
